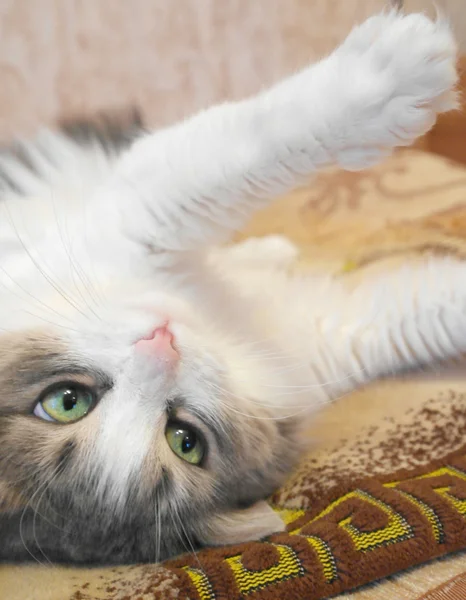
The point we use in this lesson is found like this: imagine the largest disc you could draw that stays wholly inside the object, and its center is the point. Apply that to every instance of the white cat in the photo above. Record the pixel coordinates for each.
(154, 385)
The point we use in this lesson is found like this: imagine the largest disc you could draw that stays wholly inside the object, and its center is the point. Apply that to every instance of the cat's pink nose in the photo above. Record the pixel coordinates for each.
(160, 344)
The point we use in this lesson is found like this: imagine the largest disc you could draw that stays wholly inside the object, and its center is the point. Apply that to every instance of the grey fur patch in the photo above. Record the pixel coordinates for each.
(29, 363)
(112, 131)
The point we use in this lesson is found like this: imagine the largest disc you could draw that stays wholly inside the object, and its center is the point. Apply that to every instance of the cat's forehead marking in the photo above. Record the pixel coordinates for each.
(24, 357)
(35, 342)
(28, 351)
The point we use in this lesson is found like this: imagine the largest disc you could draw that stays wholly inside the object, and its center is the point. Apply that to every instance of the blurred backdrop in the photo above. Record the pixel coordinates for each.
(62, 58)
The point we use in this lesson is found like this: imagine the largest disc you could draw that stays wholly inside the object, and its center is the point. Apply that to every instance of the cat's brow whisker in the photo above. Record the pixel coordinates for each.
(45, 275)
(75, 270)
(94, 282)
(29, 295)
(75, 267)
(50, 322)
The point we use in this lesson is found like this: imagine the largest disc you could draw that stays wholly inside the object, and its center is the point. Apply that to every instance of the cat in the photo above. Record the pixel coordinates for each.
(156, 383)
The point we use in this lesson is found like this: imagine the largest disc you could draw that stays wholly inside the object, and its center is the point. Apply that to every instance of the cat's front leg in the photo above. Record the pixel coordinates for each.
(192, 184)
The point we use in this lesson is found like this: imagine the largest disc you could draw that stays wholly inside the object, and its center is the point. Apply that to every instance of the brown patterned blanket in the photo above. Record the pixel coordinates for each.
(384, 489)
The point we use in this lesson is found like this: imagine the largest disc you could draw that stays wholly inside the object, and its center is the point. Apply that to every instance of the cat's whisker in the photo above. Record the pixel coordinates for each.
(315, 403)
(262, 418)
(305, 408)
(270, 355)
(158, 522)
(223, 392)
(21, 525)
(53, 476)
(313, 386)
(191, 549)
(308, 387)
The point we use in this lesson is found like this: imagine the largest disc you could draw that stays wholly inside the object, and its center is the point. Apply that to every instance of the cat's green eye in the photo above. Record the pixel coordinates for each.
(185, 442)
(65, 403)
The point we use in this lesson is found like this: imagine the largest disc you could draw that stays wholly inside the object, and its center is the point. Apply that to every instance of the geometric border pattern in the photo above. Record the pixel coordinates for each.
(363, 534)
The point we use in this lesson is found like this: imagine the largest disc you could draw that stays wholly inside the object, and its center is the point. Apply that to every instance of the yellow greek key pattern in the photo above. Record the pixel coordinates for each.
(288, 567)
(459, 505)
(201, 583)
(326, 557)
(443, 471)
(398, 528)
(427, 511)
(330, 508)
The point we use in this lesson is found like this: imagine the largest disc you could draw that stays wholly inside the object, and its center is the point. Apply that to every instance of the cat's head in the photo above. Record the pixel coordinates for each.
(136, 418)
(141, 423)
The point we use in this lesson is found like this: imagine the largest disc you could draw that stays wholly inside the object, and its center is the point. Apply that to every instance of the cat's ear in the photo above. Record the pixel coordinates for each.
(246, 525)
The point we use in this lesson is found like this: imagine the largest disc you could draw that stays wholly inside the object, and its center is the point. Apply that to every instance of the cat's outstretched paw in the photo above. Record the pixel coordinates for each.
(403, 71)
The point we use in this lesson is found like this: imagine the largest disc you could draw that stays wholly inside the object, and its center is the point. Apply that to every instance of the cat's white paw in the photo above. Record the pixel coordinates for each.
(403, 71)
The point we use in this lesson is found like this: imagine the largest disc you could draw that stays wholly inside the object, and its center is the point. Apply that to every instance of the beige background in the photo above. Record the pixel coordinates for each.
(169, 57)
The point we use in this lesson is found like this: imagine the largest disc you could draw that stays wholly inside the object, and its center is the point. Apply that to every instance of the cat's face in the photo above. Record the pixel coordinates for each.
(119, 444)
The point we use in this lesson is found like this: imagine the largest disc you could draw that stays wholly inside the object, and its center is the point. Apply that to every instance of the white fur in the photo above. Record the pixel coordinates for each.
(103, 250)
(195, 182)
